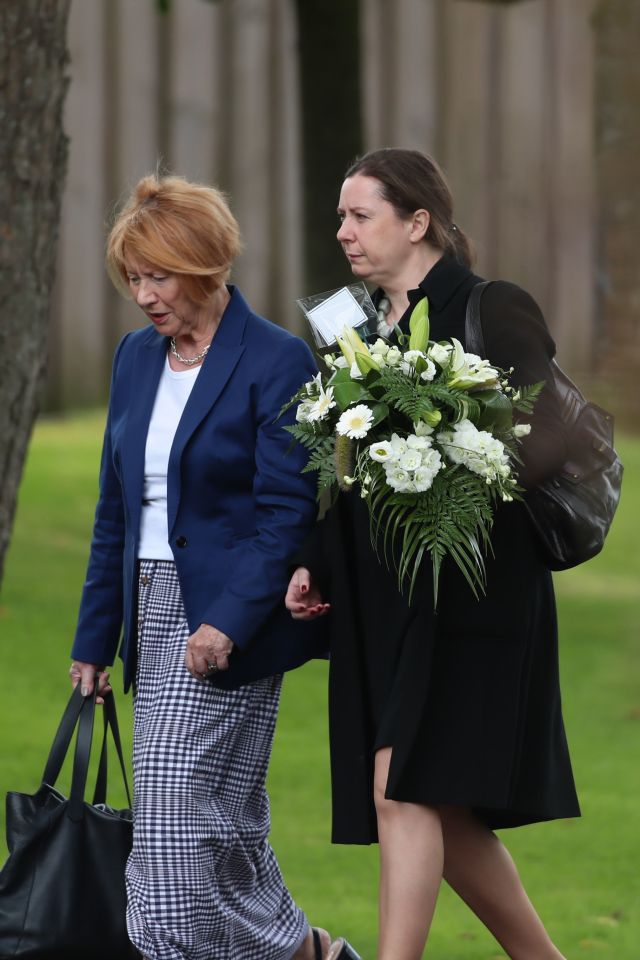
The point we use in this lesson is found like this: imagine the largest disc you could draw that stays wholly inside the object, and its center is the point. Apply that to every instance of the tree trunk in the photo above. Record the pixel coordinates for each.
(33, 155)
(329, 43)
(617, 39)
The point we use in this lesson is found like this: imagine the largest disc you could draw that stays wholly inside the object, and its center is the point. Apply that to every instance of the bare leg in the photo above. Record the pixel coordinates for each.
(411, 857)
(480, 869)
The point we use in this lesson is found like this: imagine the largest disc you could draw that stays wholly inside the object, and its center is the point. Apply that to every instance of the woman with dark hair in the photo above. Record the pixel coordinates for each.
(199, 516)
(445, 724)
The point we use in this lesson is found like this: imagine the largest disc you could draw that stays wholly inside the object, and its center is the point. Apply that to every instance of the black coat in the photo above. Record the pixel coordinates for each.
(467, 696)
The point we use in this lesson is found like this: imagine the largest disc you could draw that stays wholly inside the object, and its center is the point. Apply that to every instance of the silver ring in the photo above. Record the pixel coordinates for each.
(212, 667)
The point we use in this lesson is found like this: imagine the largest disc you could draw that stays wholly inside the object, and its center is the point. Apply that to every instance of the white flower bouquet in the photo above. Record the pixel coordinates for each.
(427, 433)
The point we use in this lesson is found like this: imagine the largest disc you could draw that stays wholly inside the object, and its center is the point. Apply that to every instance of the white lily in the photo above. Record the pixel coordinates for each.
(467, 370)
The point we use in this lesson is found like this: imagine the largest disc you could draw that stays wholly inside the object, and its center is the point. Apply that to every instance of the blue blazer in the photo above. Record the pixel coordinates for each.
(238, 506)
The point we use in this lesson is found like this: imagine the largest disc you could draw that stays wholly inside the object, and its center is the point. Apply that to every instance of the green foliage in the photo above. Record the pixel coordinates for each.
(321, 460)
(453, 518)
(345, 390)
(496, 415)
(412, 399)
(417, 399)
(306, 434)
(528, 396)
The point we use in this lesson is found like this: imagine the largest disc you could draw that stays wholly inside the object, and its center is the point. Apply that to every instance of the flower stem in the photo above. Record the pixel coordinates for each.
(344, 461)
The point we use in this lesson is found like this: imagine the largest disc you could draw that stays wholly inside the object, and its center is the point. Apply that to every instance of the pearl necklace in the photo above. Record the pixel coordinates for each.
(188, 360)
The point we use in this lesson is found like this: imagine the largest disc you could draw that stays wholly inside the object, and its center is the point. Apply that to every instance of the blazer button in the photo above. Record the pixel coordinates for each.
(181, 542)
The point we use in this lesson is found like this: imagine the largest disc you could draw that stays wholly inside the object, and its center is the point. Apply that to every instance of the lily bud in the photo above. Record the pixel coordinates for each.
(433, 418)
(347, 350)
(419, 326)
(366, 363)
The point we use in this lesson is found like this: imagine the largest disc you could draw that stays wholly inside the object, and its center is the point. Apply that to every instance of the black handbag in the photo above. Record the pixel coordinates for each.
(573, 510)
(62, 890)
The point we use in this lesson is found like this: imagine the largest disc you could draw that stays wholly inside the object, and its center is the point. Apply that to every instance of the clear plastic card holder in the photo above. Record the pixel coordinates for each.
(330, 312)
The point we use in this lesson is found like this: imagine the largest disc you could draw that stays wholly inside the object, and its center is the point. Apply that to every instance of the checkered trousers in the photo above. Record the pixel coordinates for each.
(202, 880)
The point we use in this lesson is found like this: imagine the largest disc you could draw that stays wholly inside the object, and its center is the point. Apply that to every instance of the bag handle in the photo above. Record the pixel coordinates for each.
(473, 336)
(80, 713)
(110, 721)
(81, 756)
(62, 739)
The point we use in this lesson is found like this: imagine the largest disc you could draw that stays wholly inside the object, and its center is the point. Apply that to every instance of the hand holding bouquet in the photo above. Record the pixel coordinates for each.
(426, 432)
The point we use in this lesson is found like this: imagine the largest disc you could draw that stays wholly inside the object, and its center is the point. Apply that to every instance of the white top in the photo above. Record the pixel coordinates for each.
(173, 392)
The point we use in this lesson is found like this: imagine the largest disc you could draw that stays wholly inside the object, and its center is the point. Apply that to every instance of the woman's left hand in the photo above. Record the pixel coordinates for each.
(208, 650)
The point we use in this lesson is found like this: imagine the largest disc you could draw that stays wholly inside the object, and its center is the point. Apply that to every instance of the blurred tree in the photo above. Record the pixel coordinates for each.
(33, 160)
(329, 63)
(329, 56)
(617, 88)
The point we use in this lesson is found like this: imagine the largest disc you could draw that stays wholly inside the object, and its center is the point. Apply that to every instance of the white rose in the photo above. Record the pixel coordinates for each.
(430, 372)
(521, 429)
(412, 356)
(335, 362)
(380, 347)
(409, 360)
(393, 357)
(440, 353)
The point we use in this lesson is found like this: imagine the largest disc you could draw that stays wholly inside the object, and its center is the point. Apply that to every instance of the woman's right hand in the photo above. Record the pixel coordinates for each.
(84, 674)
(303, 599)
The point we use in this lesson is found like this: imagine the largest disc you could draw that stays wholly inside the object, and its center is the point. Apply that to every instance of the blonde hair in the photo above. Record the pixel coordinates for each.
(178, 226)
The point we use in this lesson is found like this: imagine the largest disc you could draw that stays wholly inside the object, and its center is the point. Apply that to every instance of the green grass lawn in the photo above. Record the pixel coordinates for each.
(583, 875)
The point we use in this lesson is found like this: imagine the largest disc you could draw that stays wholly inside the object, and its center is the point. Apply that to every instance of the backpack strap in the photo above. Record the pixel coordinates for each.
(473, 336)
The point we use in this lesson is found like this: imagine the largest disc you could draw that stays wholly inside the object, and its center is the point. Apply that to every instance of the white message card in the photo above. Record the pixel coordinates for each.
(335, 313)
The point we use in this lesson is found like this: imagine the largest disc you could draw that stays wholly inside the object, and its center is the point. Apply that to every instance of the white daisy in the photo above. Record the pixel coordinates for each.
(356, 422)
(323, 404)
